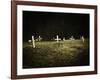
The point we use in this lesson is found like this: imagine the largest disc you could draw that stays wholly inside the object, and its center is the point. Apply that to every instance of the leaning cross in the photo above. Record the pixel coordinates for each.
(33, 42)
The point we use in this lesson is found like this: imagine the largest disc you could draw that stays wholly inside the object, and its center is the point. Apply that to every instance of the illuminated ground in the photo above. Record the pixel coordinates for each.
(53, 54)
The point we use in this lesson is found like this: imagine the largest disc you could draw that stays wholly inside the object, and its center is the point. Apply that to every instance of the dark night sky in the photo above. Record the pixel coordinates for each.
(50, 24)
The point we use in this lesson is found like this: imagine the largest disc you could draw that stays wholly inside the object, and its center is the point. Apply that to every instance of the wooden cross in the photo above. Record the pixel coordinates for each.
(40, 38)
(33, 42)
(82, 39)
(57, 38)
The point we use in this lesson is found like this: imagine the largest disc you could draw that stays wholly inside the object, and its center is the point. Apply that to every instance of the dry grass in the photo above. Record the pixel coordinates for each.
(53, 54)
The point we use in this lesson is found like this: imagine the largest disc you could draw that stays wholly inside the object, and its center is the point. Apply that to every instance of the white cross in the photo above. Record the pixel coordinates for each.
(57, 38)
(82, 39)
(40, 38)
(33, 42)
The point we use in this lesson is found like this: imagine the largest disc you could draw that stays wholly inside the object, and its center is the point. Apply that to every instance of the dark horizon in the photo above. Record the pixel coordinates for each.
(50, 24)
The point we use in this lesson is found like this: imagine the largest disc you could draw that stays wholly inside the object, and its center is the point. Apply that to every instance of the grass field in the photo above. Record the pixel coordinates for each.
(53, 54)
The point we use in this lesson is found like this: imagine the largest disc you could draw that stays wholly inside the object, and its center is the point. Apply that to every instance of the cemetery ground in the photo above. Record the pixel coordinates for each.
(56, 54)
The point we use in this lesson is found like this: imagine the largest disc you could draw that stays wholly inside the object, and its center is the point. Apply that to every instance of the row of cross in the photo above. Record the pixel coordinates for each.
(57, 39)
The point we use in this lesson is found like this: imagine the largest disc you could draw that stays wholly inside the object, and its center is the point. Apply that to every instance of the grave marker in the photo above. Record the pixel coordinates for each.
(40, 38)
(82, 39)
(72, 38)
(64, 39)
(57, 38)
(33, 42)
(29, 41)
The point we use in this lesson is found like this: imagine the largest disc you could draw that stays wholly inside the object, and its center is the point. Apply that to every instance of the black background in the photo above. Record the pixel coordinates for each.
(50, 24)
